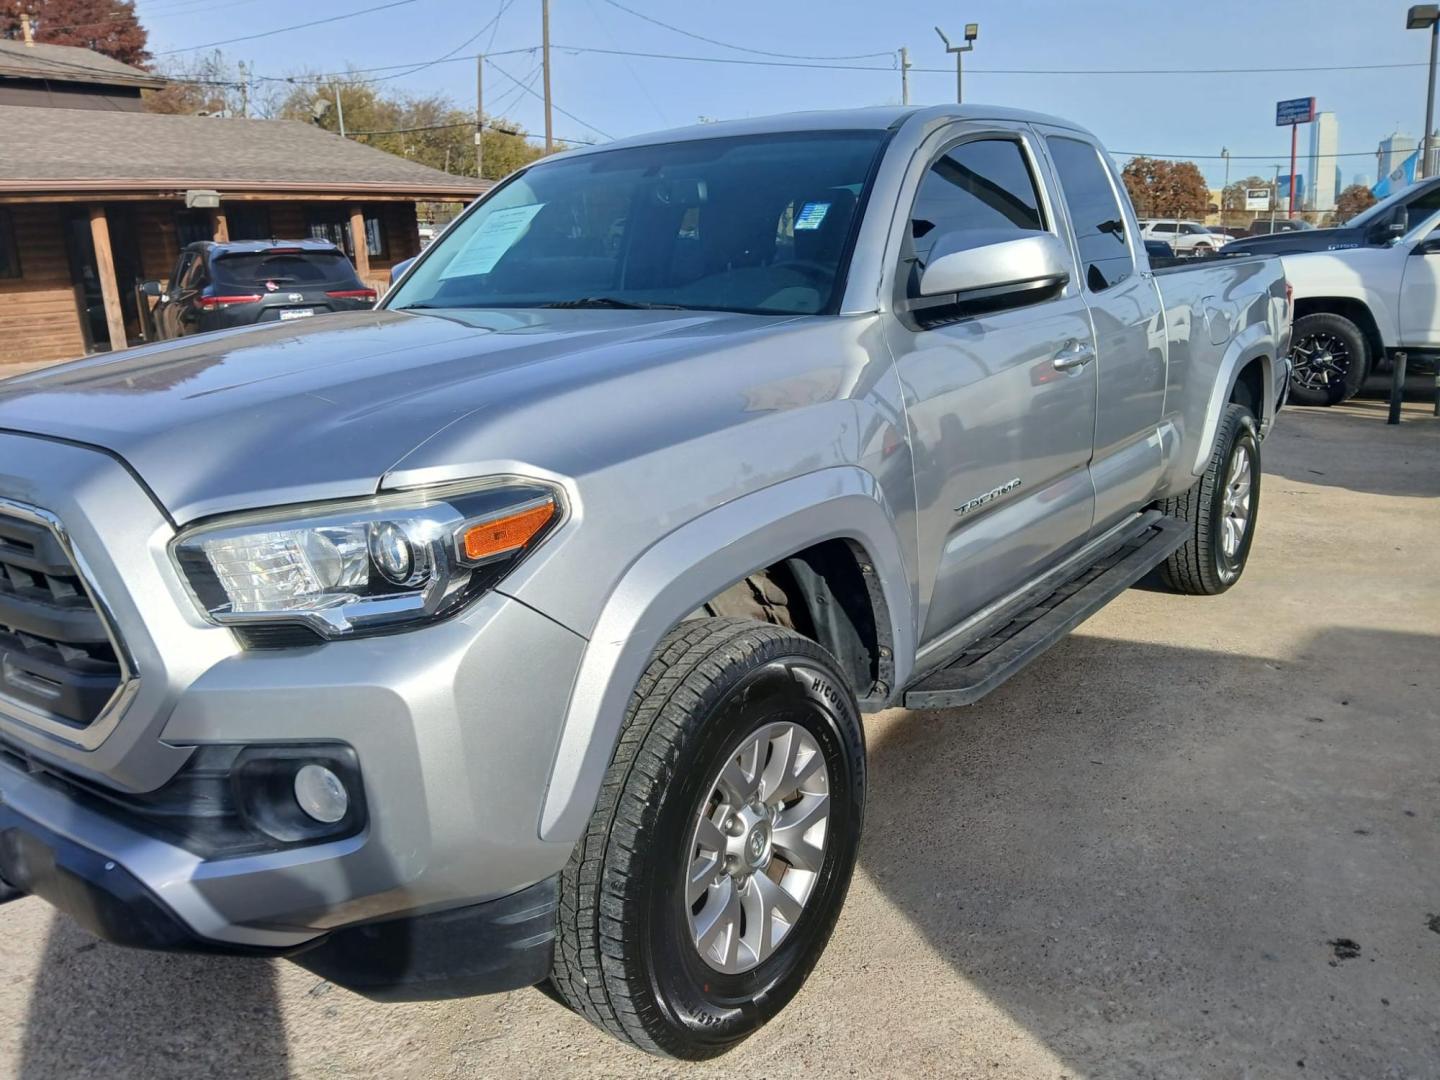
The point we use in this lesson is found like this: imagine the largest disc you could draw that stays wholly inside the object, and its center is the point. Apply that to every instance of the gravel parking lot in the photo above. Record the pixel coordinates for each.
(1199, 838)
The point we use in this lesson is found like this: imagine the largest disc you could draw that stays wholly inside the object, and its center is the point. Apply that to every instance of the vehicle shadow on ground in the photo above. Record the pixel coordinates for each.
(99, 1010)
(1376, 458)
(1148, 862)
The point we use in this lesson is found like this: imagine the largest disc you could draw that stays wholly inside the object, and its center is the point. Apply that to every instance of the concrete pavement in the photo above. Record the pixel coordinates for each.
(1197, 839)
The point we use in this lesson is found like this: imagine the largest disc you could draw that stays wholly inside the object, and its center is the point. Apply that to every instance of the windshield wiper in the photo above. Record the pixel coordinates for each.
(611, 302)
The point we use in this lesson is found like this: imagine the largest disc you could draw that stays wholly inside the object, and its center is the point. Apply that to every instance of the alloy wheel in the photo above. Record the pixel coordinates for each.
(1320, 361)
(757, 847)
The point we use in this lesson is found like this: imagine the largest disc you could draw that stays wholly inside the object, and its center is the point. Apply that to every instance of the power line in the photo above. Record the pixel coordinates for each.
(737, 48)
(562, 112)
(494, 22)
(984, 71)
(287, 29)
(1236, 157)
(502, 128)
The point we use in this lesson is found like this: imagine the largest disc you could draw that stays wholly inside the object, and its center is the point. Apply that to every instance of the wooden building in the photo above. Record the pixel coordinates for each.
(97, 196)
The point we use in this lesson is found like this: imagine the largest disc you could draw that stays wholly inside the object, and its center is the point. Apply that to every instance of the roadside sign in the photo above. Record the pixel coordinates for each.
(1294, 111)
(1257, 198)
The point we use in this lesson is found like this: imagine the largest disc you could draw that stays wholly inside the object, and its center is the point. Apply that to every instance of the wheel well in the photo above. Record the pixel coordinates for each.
(1355, 310)
(1249, 388)
(827, 592)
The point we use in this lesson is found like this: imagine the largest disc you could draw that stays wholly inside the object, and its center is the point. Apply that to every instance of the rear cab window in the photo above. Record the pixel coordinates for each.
(1095, 213)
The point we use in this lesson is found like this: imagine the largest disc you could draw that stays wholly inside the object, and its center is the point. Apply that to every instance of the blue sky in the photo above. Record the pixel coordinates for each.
(1184, 114)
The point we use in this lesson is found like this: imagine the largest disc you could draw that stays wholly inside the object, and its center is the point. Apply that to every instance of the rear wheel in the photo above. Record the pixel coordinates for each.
(1221, 511)
(1330, 359)
(714, 867)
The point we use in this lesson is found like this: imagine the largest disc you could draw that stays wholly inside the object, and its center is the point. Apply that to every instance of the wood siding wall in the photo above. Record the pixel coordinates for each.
(39, 316)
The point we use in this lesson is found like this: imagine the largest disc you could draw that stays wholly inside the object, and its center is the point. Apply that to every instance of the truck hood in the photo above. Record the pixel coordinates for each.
(1299, 242)
(322, 409)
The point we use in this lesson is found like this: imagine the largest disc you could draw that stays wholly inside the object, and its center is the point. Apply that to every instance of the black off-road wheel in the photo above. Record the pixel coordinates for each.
(1330, 358)
(717, 859)
(1221, 510)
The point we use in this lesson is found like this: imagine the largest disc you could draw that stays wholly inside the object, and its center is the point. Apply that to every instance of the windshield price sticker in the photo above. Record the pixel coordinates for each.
(496, 235)
(811, 215)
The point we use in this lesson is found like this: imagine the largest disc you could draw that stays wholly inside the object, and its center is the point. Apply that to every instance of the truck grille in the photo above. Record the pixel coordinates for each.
(57, 657)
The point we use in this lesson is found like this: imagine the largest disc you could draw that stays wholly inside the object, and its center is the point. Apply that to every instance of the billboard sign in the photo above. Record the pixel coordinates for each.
(1294, 111)
(1257, 198)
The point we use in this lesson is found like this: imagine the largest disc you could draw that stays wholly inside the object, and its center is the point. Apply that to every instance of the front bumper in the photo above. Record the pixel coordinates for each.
(498, 945)
(454, 728)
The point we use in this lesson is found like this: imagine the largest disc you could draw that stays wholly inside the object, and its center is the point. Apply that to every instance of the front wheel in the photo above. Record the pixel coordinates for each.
(1330, 359)
(1221, 511)
(714, 867)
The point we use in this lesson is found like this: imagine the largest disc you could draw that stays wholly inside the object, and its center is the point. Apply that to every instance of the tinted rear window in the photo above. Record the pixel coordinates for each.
(308, 268)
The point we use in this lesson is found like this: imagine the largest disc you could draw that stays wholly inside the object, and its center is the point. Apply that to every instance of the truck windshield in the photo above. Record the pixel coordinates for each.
(758, 224)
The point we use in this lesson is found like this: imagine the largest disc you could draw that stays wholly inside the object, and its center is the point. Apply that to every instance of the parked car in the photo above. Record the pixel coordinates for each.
(1268, 226)
(1186, 238)
(219, 285)
(1234, 232)
(1363, 291)
(520, 629)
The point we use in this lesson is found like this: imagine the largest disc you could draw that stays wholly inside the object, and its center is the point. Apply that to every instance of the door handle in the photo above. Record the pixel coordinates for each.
(1075, 355)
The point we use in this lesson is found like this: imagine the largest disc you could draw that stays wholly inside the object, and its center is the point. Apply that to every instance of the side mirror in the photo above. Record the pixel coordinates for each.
(398, 270)
(153, 288)
(995, 263)
(1399, 223)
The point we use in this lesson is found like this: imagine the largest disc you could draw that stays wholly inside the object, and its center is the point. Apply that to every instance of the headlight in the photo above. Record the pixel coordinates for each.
(344, 569)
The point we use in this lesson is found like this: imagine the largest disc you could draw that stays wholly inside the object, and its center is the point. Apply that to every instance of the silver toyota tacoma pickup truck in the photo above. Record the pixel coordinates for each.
(519, 631)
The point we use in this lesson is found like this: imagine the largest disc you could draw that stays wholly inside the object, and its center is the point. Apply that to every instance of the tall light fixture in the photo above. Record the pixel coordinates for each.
(1426, 17)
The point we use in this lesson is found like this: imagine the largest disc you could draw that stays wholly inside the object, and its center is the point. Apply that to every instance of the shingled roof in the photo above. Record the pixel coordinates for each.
(46, 150)
(69, 63)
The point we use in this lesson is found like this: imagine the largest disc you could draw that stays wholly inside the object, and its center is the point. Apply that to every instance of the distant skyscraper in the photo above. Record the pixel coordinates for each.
(1360, 179)
(1393, 151)
(1324, 145)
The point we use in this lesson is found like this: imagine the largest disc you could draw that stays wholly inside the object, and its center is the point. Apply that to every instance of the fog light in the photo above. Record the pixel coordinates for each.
(321, 794)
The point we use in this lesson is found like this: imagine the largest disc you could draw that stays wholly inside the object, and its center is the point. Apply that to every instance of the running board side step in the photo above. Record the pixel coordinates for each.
(988, 662)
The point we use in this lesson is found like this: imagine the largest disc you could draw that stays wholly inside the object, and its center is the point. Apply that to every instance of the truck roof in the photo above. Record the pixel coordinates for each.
(872, 118)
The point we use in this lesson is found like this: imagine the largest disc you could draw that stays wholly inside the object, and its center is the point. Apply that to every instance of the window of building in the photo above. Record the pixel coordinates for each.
(1094, 212)
(334, 225)
(192, 226)
(248, 221)
(9, 249)
(984, 184)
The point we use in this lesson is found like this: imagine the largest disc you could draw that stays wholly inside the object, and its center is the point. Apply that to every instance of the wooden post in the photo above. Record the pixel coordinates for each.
(109, 288)
(219, 226)
(359, 241)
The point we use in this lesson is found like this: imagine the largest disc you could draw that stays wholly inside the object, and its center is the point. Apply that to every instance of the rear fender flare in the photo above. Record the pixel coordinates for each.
(677, 575)
(1255, 341)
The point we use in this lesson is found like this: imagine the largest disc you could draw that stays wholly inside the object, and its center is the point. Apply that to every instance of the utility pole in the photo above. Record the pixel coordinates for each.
(1275, 199)
(244, 90)
(1224, 153)
(1426, 17)
(339, 109)
(480, 116)
(545, 63)
(972, 31)
(904, 75)
(27, 32)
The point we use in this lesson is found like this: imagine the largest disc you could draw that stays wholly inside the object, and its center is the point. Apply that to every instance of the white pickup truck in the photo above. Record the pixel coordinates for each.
(1363, 291)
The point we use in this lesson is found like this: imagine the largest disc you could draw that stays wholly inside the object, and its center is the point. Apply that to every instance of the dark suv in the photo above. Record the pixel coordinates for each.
(219, 285)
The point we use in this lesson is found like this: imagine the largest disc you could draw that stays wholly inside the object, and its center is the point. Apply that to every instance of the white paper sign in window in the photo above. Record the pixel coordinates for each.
(496, 235)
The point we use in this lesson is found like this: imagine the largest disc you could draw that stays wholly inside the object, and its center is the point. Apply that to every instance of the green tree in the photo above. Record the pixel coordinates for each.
(1233, 197)
(430, 129)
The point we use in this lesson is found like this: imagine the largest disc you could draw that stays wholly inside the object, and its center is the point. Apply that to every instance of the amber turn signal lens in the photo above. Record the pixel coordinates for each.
(507, 533)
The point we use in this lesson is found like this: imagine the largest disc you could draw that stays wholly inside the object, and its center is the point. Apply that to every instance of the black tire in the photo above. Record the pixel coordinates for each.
(1202, 567)
(624, 955)
(1331, 359)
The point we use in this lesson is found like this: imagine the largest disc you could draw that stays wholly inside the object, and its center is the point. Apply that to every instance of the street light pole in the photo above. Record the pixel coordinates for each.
(1421, 17)
(972, 31)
